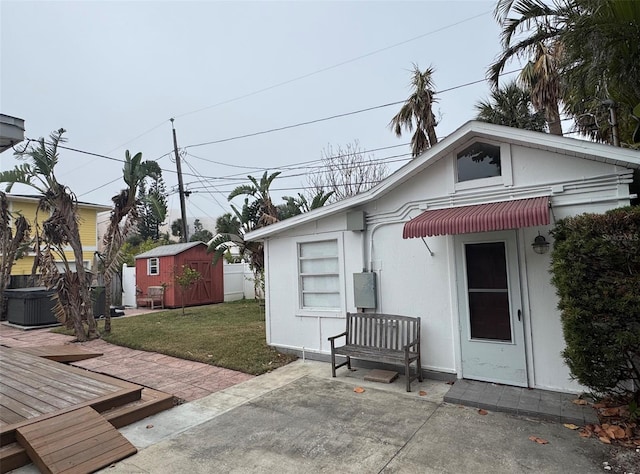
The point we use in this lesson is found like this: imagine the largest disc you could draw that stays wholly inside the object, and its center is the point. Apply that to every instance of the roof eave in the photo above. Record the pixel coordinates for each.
(609, 154)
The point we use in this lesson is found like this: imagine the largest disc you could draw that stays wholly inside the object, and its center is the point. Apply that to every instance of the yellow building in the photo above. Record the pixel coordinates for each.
(87, 223)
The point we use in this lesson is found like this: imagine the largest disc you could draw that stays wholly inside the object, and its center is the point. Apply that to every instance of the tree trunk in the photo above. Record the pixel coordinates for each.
(86, 308)
(552, 114)
(107, 302)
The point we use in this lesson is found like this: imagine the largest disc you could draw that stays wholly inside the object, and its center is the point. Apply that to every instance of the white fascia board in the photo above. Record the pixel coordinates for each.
(473, 129)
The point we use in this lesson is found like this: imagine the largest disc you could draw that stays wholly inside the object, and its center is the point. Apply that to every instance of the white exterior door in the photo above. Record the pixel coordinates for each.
(490, 308)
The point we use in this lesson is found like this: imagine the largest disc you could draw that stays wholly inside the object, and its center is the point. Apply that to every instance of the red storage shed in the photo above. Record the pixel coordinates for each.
(158, 266)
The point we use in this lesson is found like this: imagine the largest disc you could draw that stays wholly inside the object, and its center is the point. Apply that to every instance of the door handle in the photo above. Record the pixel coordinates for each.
(519, 315)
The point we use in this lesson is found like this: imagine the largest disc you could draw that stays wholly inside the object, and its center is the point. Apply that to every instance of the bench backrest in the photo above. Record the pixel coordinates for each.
(385, 331)
(155, 292)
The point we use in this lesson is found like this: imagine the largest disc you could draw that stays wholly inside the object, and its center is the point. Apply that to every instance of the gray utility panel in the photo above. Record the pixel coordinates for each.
(364, 289)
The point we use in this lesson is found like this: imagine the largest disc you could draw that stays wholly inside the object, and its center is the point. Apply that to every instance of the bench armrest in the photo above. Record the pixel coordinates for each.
(411, 344)
(332, 338)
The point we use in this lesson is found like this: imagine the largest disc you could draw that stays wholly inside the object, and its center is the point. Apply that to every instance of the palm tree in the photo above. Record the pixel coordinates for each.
(583, 53)
(541, 75)
(294, 206)
(126, 207)
(417, 112)
(59, 229)
(227, 223)
(12, 246)
(602, 56)
(511, 106)
(247, 217)
(267, 211)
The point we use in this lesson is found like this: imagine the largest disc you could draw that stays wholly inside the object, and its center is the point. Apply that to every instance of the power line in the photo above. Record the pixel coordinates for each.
(300, 124)
(199, 179)
(328, 68)
(300, 162)
(332, 117)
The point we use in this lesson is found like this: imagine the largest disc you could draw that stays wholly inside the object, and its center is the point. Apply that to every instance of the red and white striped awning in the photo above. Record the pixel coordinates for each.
(479, 218)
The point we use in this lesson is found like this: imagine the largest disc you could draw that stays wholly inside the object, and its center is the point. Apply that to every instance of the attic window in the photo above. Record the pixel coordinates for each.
(479, 161)
(153, 266)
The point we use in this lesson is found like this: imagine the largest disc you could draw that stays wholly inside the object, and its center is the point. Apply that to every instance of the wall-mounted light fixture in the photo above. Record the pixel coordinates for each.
(540, 244)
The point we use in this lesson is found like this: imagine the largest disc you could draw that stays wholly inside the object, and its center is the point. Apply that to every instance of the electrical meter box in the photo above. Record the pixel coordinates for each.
(364, 288)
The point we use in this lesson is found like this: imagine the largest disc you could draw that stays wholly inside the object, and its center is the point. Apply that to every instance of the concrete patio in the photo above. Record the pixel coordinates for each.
(299, 419)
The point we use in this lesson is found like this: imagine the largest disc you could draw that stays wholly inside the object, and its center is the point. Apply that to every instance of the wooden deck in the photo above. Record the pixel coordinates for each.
(34, 389)
(60, 352)
(77, 442)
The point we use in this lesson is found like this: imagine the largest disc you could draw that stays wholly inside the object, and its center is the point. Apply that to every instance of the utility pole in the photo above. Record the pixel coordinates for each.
(183, 208)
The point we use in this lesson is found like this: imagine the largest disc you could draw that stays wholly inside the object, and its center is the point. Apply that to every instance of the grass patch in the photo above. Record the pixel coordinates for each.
(229, 335)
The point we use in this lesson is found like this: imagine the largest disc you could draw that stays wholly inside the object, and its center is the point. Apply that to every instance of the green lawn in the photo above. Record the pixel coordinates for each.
(229, 335)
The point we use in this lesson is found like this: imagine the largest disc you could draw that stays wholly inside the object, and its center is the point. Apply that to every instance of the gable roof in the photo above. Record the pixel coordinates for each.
(168, 250)
(471, 130)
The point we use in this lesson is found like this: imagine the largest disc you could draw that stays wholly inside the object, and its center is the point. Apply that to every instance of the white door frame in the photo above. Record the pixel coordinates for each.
(517, 301)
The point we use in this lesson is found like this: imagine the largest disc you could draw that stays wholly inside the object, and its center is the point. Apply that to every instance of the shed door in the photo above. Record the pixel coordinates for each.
(492, 333)
(202, 291)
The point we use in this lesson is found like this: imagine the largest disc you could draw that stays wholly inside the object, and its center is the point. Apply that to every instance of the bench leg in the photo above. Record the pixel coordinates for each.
(333, 364)
(349, 362)
(419, 362)
(407, 372)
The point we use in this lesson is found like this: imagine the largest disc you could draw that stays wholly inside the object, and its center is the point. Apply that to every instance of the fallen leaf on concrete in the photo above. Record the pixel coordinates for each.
(599, 405)
(571, 426)
(482, 412)
(149, 427)
(636, 442)
(605, 440)
(580, 401)
(358, 390)
(422, 393)
(538, 440)
(585, 434)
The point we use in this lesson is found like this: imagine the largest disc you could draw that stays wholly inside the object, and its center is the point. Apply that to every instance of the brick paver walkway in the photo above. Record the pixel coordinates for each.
(184, 379)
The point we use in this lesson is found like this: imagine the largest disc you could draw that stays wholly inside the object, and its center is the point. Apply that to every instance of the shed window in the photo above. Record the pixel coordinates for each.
(478, 161)
(319, 275)
(153, 266)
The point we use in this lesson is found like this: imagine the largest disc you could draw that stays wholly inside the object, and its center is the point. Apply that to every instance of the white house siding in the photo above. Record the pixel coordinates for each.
(412, 282)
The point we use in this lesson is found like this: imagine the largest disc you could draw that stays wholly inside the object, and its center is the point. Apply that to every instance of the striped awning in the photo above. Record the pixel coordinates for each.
(479, 218)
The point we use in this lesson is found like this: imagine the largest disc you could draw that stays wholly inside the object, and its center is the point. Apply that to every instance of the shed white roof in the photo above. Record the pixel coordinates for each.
(168, 250)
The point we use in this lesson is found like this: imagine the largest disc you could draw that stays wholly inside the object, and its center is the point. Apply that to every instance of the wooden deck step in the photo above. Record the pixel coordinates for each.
(78, 441)
(150, 403)
(13, 456)
(60, 352)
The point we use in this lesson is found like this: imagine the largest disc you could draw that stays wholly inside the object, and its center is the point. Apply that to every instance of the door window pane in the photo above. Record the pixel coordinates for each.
(488, 291)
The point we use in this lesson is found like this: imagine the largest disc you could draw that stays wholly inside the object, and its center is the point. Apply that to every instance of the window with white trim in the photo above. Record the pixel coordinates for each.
(153, 266)
(479, 161)
(319, 275)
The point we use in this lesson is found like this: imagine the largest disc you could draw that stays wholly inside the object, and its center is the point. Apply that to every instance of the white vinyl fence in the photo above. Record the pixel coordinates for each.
(128, 286)
(238, 283)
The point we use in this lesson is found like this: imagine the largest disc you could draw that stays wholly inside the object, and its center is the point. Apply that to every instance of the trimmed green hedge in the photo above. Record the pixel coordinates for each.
(596, 270)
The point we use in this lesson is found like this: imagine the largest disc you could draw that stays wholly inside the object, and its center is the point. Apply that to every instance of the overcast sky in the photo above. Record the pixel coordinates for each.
(113, 73)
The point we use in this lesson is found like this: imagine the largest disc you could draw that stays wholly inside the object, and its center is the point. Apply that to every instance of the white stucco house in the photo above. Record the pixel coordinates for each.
(449, 238)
